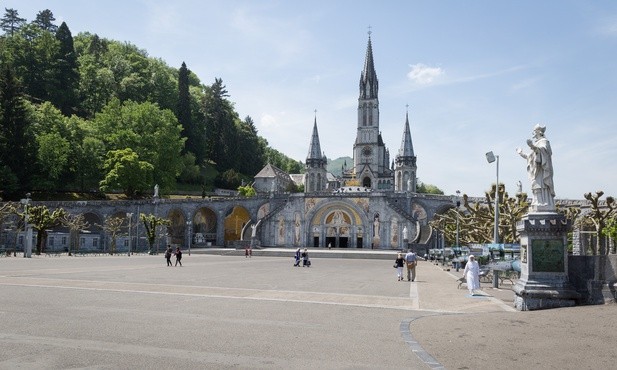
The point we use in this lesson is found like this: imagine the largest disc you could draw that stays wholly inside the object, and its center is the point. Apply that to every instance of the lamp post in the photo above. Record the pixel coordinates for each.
(130, 217)
(189, 236)
(458, 246)
(27, 229)
(490, 157)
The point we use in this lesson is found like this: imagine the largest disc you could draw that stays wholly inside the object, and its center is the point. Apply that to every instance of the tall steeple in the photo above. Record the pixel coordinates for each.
(315, 177)
(369, 85)
(371, 159)
(405, 168)
(406, 149)
(314, 147)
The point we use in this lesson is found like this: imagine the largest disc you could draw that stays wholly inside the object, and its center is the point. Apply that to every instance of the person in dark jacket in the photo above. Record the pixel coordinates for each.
(178, 256)
(168, 255)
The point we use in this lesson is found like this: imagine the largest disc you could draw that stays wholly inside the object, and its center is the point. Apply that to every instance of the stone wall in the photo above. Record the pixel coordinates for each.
(594, 277)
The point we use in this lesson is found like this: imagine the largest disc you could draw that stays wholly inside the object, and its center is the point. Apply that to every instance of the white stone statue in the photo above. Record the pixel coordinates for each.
(540, 170)
(519, 187)
(253, 230)
(156, 190)
(376, 227)
(409, 184)
(405, 233)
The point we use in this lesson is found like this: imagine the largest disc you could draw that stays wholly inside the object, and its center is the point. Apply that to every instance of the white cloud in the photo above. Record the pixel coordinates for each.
(423, 74)
(268, 121)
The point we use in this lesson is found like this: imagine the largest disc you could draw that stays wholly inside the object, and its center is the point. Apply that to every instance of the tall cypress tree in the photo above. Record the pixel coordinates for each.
(183, 112)
(17, 145)
(65, 96)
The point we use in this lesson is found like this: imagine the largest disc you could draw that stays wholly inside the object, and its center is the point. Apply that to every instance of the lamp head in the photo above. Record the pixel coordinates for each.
(490, 157)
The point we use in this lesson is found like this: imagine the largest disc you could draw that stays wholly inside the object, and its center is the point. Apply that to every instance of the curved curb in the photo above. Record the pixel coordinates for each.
(416, 348)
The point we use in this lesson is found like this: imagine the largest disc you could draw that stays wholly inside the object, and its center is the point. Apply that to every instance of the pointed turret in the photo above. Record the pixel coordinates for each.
(315, 178)
(314, 147)
(406, 149)
(405, 170)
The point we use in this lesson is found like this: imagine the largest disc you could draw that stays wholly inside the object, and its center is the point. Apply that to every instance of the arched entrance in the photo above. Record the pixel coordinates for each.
(234, 223)
(337, 225)
(204, 226)
(176, 231)
(366, 182)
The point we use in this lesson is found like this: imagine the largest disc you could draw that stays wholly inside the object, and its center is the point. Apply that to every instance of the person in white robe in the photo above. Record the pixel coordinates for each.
(472, 274)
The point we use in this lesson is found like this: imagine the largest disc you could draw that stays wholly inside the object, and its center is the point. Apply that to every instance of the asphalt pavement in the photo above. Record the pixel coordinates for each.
(227, 311)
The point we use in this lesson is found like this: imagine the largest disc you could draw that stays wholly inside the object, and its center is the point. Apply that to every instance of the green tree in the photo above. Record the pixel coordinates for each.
(247, 191)
(42, 219)
(220, 126)
(11, 22)
(89, 163)
(183, 112)
(250, 150)
(45, 20)
(152, 224)
(36, 55)
(125, 171)
(428, 189)
(152, 133)
(53, 155)
(17, 144)
(65, 94)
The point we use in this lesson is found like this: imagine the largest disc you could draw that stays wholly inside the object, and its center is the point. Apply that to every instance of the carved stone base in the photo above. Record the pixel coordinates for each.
(533, 295)
(544, 271)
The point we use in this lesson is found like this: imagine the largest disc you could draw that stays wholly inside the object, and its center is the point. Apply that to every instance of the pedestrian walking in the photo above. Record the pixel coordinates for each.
(297, 258)
(472, 274)
(305, 259)
(178, 257)
(248, 252)
(399, 262)
(168, 255)
(412, 261)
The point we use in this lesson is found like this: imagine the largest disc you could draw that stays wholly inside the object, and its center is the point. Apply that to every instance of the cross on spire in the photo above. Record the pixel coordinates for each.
(369, 30)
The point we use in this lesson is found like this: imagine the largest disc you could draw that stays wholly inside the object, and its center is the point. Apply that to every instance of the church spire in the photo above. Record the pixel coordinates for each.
(406, 149)
(315, 176)
(369, 85)
(314, 146)
(405, 163)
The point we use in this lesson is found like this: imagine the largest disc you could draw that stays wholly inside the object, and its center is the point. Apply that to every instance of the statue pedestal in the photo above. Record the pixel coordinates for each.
(376, 241)
(544, 269)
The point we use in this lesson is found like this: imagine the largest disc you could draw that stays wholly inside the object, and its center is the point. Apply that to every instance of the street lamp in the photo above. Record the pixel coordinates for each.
(130, 217)
(189, 236)
(490, 157)
(27, 229)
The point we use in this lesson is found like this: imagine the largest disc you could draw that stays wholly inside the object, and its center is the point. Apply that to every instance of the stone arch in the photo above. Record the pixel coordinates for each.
(204, 226)
(235, 220)
(366, 182)
(338, 224)
(176, 230)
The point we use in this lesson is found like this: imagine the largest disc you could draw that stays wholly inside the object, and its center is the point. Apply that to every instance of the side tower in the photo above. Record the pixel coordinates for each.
(405, 163)
(371, 159)
(315, 178)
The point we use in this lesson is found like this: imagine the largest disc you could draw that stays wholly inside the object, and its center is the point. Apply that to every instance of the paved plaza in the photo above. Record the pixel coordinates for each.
(228, 311)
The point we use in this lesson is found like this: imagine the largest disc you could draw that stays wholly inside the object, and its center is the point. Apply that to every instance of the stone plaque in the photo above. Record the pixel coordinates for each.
(548, 255)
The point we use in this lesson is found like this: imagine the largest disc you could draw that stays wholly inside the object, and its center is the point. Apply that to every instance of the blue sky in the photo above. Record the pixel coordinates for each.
(477, 75)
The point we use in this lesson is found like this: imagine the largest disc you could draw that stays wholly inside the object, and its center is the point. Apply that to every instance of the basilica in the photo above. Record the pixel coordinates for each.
(373, 204)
